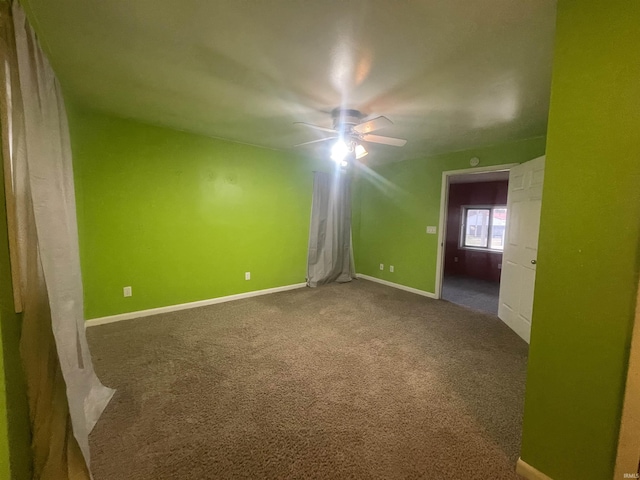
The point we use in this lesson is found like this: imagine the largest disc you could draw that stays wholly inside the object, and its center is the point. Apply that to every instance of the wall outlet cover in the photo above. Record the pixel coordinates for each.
(391, 268)
(432, 230)
(382, 266)
(247, 275)
(127, 291)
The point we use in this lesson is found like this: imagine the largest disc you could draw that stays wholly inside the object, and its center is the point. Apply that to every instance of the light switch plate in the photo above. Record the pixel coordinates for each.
(247, 275)
(432, 230)
(127, 291)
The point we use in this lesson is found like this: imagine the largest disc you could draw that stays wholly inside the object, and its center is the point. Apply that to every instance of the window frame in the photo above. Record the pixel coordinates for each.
(463, 225)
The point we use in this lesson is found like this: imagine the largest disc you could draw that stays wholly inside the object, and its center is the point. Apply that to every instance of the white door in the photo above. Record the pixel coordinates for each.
(521, 246)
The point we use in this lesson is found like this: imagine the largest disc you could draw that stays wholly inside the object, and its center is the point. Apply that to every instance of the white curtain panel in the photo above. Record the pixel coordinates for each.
(330, 253)
(43, 188)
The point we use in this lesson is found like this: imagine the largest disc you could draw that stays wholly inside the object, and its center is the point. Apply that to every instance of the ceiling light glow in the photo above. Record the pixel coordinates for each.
(339, 151)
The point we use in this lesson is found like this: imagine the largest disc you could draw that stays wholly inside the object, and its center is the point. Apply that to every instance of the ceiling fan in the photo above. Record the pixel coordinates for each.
(350, 130)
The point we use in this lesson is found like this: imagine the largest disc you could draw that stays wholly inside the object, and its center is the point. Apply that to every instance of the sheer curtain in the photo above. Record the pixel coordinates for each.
(330, 253)
(65, 396)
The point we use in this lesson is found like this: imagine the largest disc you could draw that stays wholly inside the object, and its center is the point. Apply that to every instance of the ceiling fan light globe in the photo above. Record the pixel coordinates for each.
(361, 152)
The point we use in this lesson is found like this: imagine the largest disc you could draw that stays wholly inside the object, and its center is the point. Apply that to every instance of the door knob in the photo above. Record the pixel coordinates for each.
(533, 262)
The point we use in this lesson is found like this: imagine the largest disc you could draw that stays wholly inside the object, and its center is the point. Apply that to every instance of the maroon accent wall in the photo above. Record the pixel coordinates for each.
(472, 263)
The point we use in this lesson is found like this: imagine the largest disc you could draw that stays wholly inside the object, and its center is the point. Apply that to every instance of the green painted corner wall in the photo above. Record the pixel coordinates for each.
(181, 217)
(588, 257)
(5, 453)
(15, 430)
(396, 203)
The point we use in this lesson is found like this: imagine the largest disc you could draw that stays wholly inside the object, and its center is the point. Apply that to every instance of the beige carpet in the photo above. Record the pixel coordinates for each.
(344, 381)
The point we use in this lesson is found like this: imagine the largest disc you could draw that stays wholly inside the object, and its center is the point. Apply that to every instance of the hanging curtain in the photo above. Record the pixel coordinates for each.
(65, 396)
(330, 253)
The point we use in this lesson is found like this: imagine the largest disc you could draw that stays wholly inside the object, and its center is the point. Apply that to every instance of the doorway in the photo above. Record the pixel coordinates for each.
(481, 228)
(474, 239)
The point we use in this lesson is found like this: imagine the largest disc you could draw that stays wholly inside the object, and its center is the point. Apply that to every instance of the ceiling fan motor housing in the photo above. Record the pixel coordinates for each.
(345, 119)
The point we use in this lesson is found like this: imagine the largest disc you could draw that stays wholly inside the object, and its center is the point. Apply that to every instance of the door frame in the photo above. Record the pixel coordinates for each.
(628, 451)
(444, 207)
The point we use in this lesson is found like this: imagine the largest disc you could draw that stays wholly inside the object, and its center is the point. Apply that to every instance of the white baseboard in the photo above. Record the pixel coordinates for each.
(530, 473)
(184, 306)
(397, 285)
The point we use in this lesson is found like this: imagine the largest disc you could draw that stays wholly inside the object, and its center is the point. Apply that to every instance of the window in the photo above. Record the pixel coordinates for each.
(483, 227)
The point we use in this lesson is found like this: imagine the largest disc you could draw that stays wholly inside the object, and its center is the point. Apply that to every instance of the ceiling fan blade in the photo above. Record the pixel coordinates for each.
(372, 125)
(315, 141)
(316, 127)
(395, 142)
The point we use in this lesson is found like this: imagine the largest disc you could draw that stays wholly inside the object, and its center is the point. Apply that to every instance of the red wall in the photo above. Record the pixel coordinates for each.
(472, 263)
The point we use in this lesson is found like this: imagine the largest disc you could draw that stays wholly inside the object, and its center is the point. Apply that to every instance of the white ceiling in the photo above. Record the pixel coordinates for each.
(450, 74)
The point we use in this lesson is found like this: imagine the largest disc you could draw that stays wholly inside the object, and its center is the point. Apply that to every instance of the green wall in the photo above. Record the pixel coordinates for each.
(5, 453)
(398, 201)
(589, 236)
(181, 217)
(15, 432)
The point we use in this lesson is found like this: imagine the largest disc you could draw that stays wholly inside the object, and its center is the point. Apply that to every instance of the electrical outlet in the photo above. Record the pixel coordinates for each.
(247, 275)
(432, 230)
(499, 266)
(391, 268)
(455, 259)
(382, 266)
(127, 291)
